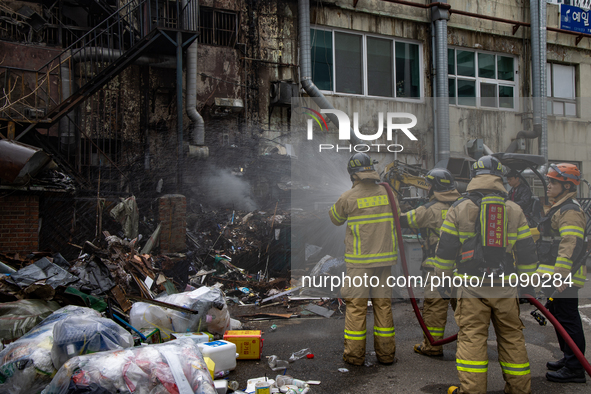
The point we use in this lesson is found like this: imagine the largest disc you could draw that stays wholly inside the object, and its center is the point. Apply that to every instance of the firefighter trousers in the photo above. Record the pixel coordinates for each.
(476, 308)
(355, 319)
(565, 309)
(435, 316)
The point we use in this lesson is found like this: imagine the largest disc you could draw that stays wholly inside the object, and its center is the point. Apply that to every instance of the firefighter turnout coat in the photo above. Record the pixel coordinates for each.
(431, 217)
(562, 234)
(483, 301)
(370, 249)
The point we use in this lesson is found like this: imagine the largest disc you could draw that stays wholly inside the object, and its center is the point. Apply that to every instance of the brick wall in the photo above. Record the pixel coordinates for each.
(19, 224)
(172, 213)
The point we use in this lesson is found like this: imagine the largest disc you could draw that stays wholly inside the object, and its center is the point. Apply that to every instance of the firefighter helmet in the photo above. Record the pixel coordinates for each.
(441, 180)
(565, 172)
(360, 162)
(487, 165)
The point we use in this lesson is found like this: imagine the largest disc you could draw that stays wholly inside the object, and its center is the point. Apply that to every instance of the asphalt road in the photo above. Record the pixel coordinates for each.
(412, 373)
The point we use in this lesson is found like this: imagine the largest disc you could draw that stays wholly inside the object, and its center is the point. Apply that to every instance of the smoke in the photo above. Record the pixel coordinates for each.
(224, 188)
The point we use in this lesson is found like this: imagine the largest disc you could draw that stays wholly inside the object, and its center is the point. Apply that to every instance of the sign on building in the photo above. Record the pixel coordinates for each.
(575, 19)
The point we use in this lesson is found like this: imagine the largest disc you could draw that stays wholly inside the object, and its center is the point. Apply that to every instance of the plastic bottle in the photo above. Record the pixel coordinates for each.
(233, 385)
(286, 380)
(273, 327)
(299, 354)
(276, 365)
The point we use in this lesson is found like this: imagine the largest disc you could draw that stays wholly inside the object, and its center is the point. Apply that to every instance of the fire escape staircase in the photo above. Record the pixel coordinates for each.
(109, 48)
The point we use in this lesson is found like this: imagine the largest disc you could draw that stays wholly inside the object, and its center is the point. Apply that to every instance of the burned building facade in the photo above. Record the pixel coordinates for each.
(157, 97)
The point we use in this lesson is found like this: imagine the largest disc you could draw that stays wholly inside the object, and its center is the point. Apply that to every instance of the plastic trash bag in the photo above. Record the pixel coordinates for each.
(19, 317)
(173, 367)
(77, 335)
(25, 365)
(212, 316)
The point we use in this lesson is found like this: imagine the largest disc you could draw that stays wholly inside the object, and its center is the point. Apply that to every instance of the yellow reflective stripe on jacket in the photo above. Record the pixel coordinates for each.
(449, 228)
(356, 239)
(523, 232)
(356, 335)
(436, 331)
(380, 217)
(430, 262)
(465, 235)
(493, 199)
(579, 277)
(572, 230)
(545, 269)
(472, 366)
(515, 369)
(527, 269)
(339, 218)
(371, 258)
(443, 264)
(563, 262)
(412, 218)
(368, 202)
(383, 331)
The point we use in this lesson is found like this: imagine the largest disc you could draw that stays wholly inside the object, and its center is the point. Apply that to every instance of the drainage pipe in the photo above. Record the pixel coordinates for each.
(440, 16)
(306, 64)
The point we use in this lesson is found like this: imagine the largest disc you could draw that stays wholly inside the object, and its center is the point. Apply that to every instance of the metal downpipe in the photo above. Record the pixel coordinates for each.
(66, 128)
(306, 64)
(197, 126)
(440, 17)
(543, 88)
(535, 62)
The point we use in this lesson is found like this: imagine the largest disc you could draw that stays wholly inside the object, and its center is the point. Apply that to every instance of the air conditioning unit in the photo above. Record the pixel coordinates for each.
(282, 92)
(227, 105)
(35, 113)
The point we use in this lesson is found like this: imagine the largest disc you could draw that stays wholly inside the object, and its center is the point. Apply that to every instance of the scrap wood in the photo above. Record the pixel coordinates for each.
(281, 294)
(119, 294)
(271, 315)
(163, 304)
(319, 310)
(145, 291)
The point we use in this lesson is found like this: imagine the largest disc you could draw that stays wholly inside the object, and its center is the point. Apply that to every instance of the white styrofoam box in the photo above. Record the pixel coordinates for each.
(223, 354)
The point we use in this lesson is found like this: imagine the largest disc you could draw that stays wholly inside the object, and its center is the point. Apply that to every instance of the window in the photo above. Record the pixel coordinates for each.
(481, 79)
(560, 85)
(360, 64)
(217, 27)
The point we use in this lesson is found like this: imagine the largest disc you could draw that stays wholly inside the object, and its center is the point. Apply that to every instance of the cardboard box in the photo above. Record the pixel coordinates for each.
(152, 336)
(249, 344)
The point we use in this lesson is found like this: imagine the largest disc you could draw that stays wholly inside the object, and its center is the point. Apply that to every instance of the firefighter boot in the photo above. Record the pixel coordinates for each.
(567, 375)
(555, 365)
(419, 348)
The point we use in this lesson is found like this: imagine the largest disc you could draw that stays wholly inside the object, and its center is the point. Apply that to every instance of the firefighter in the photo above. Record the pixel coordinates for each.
(561, 248)
(442, 193)
(370, 252)
(482, 234)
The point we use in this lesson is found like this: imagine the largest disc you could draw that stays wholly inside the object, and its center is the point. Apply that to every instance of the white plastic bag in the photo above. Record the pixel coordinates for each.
(212, 316)
(77, 335)
(25, 365)
(175, 366)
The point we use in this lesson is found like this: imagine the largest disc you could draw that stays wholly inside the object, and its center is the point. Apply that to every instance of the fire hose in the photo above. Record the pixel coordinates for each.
(561, 331)
(415, 307)
(413, 300)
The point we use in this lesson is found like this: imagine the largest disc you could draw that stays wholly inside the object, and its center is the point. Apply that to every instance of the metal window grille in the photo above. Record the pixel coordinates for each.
(217, 27)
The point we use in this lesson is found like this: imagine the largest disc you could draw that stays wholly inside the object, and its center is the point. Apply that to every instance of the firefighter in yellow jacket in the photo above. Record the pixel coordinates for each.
(370, 251)
(482, 234)
(561, 248)
(430, 216)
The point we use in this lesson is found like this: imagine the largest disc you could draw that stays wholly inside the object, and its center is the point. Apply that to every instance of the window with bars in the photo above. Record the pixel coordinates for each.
(217, 27)
(481, 79)
(560, 85)
(365, 65)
